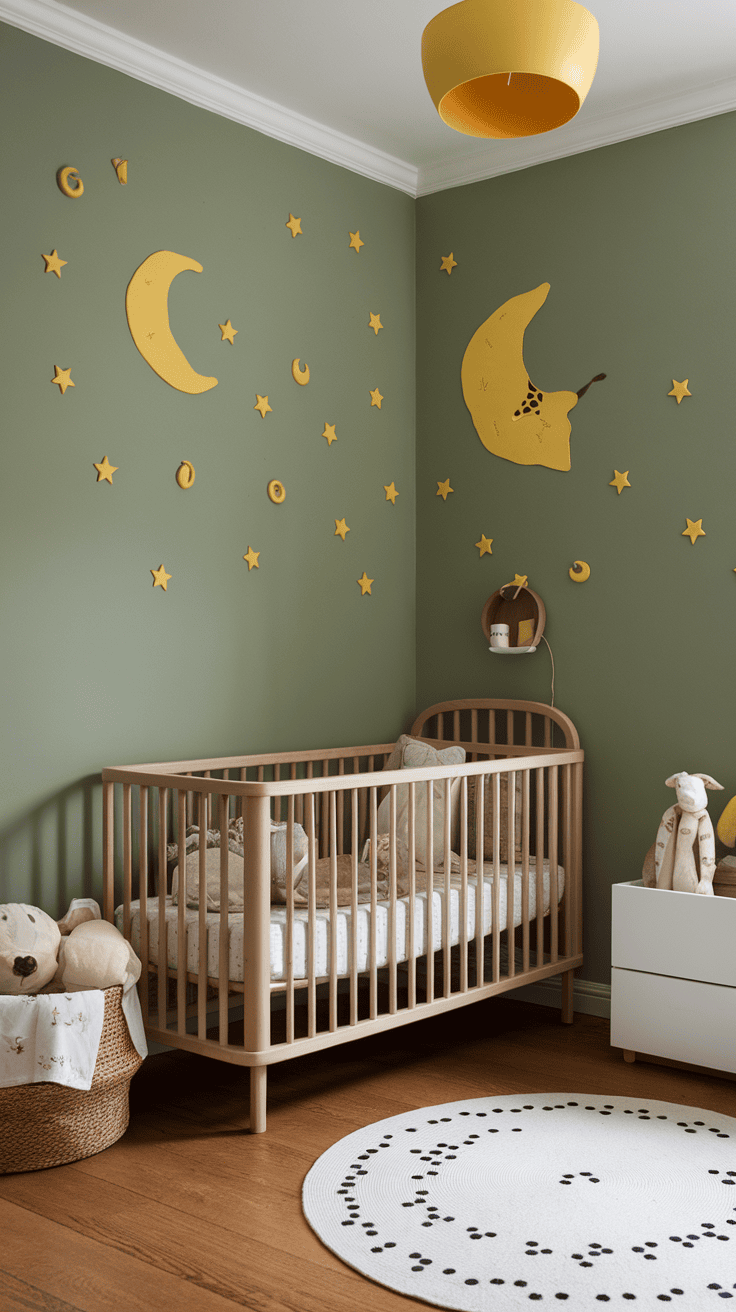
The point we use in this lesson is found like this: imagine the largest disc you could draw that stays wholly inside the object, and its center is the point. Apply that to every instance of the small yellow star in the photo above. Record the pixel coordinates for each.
(105, 470)
(355, 242)
(160, 578)
(295, 225)
(679, 390)
(694, 530)
(365, 585)
(53, 263)
(228, 332)
(330, 433)
(341, 528)
(391, 493)
(63, 378)
(484, 545)
(620, 481)
(448, 263)
(262, 405)
(375, 322)
(252, 558)
(376, 397)
(520, 580)
(443, 489)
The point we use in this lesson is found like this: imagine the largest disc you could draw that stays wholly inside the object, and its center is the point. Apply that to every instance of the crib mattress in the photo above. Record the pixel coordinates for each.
(343, 930)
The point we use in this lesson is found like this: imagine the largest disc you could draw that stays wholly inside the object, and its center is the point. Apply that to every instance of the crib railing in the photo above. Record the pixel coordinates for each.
(427, 966)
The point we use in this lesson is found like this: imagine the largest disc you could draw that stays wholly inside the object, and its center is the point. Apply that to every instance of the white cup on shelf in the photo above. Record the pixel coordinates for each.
(499, 635)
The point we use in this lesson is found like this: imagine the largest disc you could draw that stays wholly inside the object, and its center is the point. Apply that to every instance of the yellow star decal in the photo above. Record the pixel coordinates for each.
(105, 470)
(365, 585)
(355, 242)
(620, 481)
(520, 580)
(160, 578)
(63, 378)
(679, 390)
(252, 558)
(295, 225)
(330, 433)
(443, 489)
(376, 397)
(694, 530)
(448, 263)
(228, 332)
(262, 405)
(53, 263)
(375, 321)
(341, 528)
(484, 545)
(391, 493)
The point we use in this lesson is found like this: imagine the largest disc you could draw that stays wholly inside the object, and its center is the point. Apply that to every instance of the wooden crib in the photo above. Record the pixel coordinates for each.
(269, 983)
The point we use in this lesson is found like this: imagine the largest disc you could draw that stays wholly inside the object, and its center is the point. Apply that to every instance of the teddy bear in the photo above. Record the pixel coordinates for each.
(79, 951)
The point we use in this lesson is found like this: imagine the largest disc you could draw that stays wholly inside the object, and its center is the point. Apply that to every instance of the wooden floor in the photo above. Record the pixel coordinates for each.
(189, 1211)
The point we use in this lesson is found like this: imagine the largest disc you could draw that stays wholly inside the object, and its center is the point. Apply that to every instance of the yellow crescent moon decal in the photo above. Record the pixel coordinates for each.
(70, 183)
(579, 571)
(185, 474)
(512, 417)
(276, 491)
(301, 375)
(147, 308)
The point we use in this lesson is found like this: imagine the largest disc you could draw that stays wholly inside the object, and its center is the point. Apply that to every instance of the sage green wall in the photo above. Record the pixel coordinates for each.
(100, 668)
(637, 242)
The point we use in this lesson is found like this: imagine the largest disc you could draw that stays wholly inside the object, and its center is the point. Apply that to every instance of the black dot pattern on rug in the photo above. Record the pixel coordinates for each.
(357, 1191)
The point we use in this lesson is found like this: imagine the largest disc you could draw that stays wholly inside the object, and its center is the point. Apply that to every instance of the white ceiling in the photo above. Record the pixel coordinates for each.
(344, 80)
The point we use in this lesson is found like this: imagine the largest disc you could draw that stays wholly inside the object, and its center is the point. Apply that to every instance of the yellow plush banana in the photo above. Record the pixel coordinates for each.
(512, 417)
(726, 827)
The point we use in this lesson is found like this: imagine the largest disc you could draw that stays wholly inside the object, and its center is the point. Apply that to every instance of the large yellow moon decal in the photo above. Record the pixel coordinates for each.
(147, 308)
(512, 417)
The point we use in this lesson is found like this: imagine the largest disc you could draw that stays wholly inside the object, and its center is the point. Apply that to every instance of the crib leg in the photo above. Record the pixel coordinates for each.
(567, 987)
(258, 1082)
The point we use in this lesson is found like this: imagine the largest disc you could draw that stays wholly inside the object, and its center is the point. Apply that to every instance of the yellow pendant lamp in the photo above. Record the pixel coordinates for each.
(509, 68)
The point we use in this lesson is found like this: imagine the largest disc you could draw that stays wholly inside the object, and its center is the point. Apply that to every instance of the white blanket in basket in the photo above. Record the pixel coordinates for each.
(51, 1037)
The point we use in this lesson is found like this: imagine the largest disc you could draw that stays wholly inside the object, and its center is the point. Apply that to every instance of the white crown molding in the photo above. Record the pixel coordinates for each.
(73, 31)
(493, 159)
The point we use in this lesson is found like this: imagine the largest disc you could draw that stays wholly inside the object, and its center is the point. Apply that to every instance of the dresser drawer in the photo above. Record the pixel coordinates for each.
(667, 933)
(677, 1018)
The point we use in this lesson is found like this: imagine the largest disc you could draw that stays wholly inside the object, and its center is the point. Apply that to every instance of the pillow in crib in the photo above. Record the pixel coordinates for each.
(488, 807)
(410, 754)
(235, 899)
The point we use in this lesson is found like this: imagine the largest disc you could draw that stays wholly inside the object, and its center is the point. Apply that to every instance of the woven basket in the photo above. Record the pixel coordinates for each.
(48, 1124)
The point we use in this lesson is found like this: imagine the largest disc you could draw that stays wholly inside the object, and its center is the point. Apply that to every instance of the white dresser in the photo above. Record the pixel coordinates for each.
(673, 977)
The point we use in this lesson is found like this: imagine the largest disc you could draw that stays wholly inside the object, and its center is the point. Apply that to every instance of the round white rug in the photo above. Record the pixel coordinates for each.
(564, 1199)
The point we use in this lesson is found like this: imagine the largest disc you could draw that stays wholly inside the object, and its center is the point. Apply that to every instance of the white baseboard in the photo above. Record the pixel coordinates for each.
(587, 996)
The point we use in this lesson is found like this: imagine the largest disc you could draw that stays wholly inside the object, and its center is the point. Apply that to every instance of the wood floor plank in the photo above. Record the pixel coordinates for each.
(21, 1296)
(189, 1210)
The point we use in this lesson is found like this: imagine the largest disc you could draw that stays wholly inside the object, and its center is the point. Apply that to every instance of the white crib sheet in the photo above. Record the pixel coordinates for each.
(343, 927)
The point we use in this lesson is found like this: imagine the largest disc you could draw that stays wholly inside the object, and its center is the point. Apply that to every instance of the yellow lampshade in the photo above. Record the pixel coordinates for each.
(509, 68)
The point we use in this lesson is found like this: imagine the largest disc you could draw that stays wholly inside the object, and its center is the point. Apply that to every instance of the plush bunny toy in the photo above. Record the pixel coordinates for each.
(79, 951)
(676, 864)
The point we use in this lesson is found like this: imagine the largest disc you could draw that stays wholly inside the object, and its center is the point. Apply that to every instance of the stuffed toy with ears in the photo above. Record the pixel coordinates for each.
(684, 852)
(80, 951)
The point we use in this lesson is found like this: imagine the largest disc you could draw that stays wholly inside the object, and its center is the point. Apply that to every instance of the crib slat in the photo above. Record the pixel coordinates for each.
(354, 908)
(127, 859)
(289, 930)
(223, 972)
(108, 847)
(553, 876)
(525, 870)
(447, 962)
(202, 926)
(474, 731)
(181, 932)
(373, 810)
(392, 1002)
(143, 989)
(463, 899)
(412, 852)
(256, 949)
(333, 908)
(510, 869)
(341, 813)
(539, 866)
(311, 828)
(429, 863)
(495, 783)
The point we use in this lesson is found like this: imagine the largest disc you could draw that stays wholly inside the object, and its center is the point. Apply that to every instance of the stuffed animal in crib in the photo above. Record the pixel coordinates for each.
(79, 951)
(683, 857)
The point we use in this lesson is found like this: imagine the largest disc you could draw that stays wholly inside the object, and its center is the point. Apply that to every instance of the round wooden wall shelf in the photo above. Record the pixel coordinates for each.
(512, 605)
